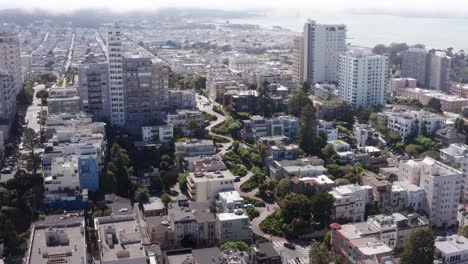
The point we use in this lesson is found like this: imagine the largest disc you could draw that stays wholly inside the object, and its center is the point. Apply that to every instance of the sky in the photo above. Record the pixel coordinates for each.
(456, 7)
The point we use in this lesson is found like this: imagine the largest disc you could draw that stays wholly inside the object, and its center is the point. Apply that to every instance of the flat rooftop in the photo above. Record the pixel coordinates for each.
(125, 243)
(66, 243)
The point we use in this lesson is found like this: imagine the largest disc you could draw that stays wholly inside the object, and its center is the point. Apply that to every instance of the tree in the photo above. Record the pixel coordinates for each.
(379, 49)
(264, 100)
(435, 105)
(419, 249)
(118, 169)
(142, 195)
(328, 151)
(297, 102)
(191, 126)
(183, 183)
(322, 207)
(234, 245)
(166, 199)
(464, 231)
(30, 143)
(346, 113)
(295, 206)
(307, 129)
(284, 186)
(319, 254)
(306, 87)
(459, 125)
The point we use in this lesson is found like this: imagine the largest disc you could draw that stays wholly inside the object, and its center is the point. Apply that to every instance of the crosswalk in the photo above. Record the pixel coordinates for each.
(300, 255)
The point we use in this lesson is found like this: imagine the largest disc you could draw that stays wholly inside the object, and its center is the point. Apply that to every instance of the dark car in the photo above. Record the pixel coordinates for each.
(289, 245)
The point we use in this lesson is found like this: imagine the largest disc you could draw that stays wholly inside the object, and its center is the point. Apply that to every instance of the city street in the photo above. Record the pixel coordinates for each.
(300, 255)
(33, 109)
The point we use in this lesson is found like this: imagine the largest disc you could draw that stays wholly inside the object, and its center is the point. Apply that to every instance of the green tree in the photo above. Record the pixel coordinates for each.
(142, 195)
(346, 113)
(419, 249)
(119, 170)
(284, 186)
(183, 181)
(192, 126)
(464, 231)
(328, 151)
(319, 254)
(234, 245)
(297, 102)
(264, 100)
(435, 105)
(307, 129)
(322, 207)
(295, 206)
(30, 143)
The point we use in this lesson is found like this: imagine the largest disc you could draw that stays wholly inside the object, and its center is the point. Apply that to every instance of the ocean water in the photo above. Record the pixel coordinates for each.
(369, 29)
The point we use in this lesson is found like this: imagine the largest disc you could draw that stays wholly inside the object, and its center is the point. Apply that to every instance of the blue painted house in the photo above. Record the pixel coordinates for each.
(88, 170)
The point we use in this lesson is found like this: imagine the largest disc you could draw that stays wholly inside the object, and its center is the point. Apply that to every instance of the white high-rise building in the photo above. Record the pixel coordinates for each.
(10, 58)
(298, 59)
(441, 184)
(114, 57)
(323, 44)
(438, 71)
(362, 78)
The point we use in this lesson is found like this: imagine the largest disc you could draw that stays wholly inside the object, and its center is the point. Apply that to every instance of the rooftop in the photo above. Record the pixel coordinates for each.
(58, 238)
(451, 244)
(239, 214)
(120, 238)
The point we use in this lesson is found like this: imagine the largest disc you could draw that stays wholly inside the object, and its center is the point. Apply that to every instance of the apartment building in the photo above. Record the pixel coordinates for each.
(322, 46)
(259, 126)
(205, 186)
(182, 99)
(298, 59)
(196, 147)
(161, 134)
(407, 123)
(362, 78)
(63, 100)
(301, 167)
(229, 201)
(93, 87)
(457, 154)
(357, 249)
(119, 240)
(7, 96)
(116, 84)
(327, 128)
(453, 248)
(231, 227)
(58, 238)
(350, 202)
(442, 185)
(10, 58)
(413, 65)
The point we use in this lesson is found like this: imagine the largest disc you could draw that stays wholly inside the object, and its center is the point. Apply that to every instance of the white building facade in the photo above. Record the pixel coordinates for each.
(362, 78)
(323, 44)
(115, 58)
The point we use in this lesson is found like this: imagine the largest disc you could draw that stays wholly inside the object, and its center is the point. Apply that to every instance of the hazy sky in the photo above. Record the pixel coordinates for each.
(452, 6)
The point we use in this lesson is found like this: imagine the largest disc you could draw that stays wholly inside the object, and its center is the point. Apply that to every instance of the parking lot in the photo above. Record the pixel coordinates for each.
(300, 255)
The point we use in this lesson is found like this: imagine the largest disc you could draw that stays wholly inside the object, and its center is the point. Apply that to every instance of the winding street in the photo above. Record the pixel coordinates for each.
(203, 104)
